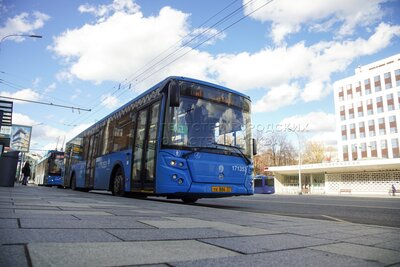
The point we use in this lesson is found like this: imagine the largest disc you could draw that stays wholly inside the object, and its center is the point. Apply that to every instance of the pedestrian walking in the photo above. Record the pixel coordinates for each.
(393, 190)
(26, 171)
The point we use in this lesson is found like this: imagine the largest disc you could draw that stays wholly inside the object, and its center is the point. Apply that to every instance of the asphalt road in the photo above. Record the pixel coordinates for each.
(364, 210)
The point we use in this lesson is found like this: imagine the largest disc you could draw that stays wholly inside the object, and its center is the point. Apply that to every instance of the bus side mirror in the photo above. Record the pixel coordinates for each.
(254, 147)
(173, 94)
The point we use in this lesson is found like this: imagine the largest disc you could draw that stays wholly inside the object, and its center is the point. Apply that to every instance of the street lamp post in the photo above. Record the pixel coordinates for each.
(19, 35)
(298, 138)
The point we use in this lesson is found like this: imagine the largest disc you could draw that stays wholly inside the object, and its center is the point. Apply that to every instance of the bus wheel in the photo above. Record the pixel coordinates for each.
(118, 184)
(189, 199)
(73, 182)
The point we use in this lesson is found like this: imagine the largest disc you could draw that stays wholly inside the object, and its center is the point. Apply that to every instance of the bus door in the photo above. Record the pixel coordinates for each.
(91, 160)
(144, 149)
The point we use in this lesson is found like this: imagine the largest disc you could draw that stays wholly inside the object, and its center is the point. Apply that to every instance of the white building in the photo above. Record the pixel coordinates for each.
(368, 111)
(367, 108)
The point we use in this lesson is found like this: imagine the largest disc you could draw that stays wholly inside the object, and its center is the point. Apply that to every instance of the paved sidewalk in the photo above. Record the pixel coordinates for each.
(41, 226)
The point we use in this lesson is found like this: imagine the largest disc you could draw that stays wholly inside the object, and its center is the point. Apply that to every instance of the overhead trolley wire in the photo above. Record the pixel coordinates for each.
(192, 48)
(159, 55)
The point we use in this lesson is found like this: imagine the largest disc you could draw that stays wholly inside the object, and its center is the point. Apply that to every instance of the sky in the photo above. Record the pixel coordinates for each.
(98, 55)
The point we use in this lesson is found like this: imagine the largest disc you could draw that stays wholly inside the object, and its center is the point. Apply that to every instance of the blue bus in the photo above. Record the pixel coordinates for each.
(49, 170)
(264, 184)
(183, 138)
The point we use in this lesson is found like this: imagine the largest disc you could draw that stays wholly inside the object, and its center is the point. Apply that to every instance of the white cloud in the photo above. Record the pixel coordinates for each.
(313, 122)
(277, 97)
(310, 66)
(289, 16)
(51, 88)
(121, 44)
(21, 119)
(26, 94)
(45, 136)
(320, 125)
(264, 69)
(103, 11)
(125, 40)
(109, 101)
(23, 23)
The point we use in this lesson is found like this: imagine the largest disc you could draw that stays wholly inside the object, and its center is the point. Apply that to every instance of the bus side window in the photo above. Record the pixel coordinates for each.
(123, 133)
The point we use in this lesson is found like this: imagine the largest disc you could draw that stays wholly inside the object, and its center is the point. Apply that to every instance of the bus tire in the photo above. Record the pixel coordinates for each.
(118, 183)
(73, 182)
(189, 200)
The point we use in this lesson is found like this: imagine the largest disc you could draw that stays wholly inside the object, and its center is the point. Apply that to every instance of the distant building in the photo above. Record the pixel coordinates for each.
(368, 111)
(20, 139)
(367, 108)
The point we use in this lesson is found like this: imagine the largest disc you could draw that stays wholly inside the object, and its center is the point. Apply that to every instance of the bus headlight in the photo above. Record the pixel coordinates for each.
(173, 163)
(174, 176)
(180, 181)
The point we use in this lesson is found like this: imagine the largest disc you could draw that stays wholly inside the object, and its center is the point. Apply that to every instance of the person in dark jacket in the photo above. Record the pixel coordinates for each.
(26, 170)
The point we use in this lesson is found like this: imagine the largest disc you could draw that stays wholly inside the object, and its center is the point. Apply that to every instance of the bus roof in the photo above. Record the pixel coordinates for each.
(153, 88)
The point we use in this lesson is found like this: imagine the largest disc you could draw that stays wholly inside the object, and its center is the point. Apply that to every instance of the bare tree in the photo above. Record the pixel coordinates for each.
(314, 152)
(275, 150)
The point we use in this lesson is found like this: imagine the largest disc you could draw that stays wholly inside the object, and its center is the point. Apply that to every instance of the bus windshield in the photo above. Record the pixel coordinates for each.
(208, 117)
(56, 164)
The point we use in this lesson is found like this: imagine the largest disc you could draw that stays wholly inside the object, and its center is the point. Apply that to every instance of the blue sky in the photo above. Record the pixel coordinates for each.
(285, 55)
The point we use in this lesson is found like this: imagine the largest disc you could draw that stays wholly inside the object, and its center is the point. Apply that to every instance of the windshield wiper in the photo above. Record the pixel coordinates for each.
(196, 149)
(246, 159)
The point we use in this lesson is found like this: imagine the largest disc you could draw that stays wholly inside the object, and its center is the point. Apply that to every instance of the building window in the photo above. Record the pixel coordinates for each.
(342, 113)
(349, 91)
(344, 133)
(393, 124)
(398, 100)
(373, 149)
(371, 128)
(341, 94)
(395, 148)
(382, 128)
(361, 127)
(353, 131)
(360, 109)
(379, 104)
(370, 109)
(384, 149)
(345, 152)
(363, 150)
(397, 77)
(351, 111)
(390, 102)
(377, 83)
(358, 89)
(367, 85)
(388, 80)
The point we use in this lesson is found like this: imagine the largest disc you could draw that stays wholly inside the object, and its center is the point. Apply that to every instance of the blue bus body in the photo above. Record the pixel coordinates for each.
(264, 184)
(49, 170)
(198, 148)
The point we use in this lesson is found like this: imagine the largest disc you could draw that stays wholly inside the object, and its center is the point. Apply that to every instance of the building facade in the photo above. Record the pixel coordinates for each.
(367, 109)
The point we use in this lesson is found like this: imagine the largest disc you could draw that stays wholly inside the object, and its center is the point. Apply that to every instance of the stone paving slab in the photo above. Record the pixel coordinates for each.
(13, 256)
(122, 253)
(9, 223)
(81, 224)
(296, 257)
(168, 234)
(62, 212)
(182, 223)
(362, 252)
(23, 236)
(93, 229)
(257, 244)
